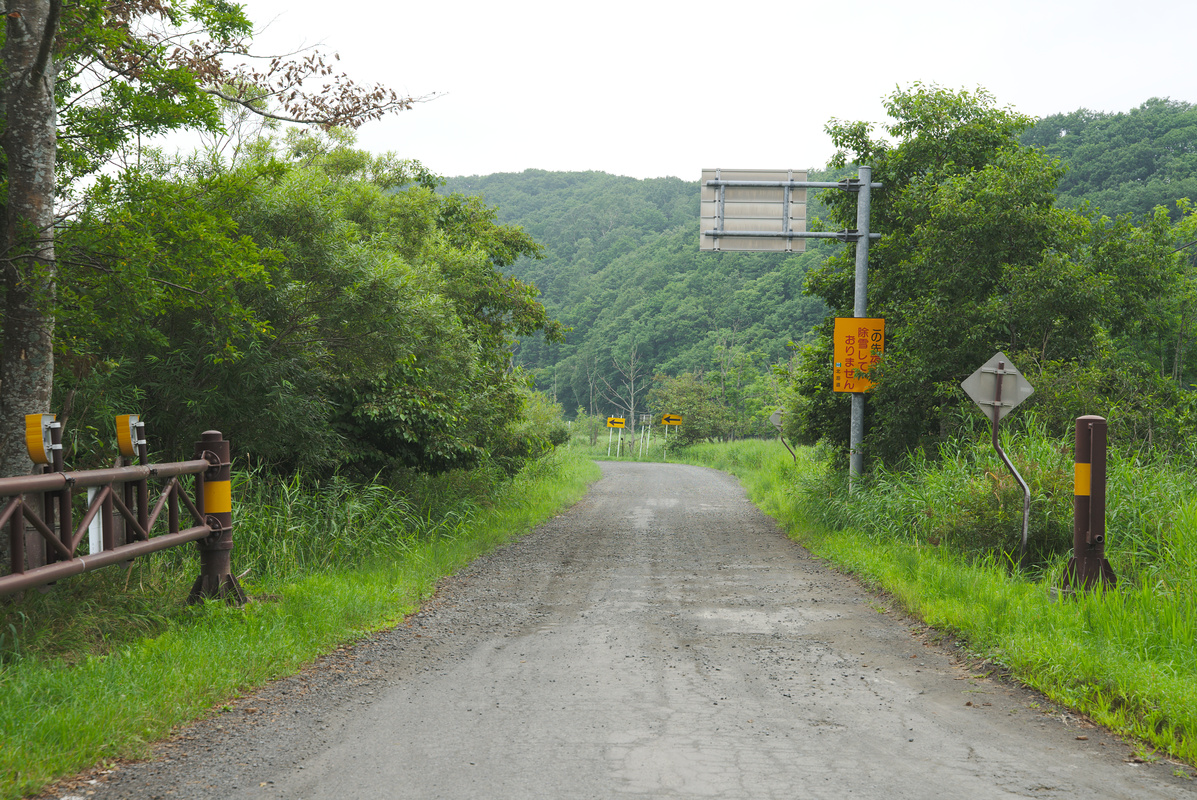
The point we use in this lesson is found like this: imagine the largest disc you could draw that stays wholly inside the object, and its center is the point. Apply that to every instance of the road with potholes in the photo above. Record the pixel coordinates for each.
(660, 639)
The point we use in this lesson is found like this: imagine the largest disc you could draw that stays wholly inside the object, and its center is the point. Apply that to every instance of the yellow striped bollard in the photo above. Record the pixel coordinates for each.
(214, 499)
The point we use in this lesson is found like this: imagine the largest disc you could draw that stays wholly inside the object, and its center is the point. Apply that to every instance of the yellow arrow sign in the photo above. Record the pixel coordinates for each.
(671, 419)
(616, 422)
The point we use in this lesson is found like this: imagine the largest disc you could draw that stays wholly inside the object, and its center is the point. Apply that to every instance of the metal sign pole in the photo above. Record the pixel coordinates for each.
(731, 212)
(997, 387)
(860, 309)
(997, 445)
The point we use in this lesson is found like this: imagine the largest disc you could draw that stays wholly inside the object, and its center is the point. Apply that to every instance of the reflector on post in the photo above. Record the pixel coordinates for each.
(37, 437)
(126, 434)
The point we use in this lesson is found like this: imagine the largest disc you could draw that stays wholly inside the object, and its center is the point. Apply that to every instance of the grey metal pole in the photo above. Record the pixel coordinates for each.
(860, 309)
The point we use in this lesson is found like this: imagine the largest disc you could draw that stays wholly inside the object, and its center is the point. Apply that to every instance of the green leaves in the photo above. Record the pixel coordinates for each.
(137, 70)
(325, 310)
(1125, 163)
(975, 257)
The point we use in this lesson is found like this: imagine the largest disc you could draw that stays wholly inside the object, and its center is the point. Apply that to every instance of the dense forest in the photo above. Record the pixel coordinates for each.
(652, 316)
(1126, 162)
(977, 255)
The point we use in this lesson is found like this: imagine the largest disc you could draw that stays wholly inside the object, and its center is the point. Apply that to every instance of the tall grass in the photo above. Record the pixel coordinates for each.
(966, 500)
(297, 528)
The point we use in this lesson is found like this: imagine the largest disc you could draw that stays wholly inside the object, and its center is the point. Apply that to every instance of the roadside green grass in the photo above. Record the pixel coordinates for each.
(1127, 657)
(109, 662)
(75, 692)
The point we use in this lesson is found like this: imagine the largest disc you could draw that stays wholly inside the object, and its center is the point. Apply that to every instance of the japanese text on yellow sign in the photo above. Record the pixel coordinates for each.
(859, 343)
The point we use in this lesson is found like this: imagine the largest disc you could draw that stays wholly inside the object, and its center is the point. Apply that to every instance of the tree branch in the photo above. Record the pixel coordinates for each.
(351, 120)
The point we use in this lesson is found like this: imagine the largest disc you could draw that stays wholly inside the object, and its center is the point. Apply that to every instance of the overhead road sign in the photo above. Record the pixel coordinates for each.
(746, 210)
(616, 422)
(765, 211)
(671, 419)
(753, 210)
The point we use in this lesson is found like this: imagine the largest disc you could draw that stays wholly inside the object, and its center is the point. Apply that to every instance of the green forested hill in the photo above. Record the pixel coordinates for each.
(622, 268)
(1128, 162)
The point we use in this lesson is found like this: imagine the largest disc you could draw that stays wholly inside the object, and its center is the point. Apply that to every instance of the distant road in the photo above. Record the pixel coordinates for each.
(661, 639)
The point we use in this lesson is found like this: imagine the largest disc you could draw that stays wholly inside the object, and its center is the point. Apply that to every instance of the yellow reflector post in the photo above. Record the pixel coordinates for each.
(37, 437)
(218, 497)
(1081, 479)
(126, 434)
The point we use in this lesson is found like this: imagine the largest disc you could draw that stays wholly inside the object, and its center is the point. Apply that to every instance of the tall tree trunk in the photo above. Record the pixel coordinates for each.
(27, 362)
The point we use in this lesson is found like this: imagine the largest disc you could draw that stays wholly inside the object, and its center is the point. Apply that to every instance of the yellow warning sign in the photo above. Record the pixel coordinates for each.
(859, 344)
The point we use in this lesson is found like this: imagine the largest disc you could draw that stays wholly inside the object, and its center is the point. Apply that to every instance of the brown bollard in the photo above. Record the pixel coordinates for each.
(1088, 565)
(214, 499)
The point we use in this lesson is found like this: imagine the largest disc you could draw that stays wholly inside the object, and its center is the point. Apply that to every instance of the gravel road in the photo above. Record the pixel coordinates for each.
(660, 639)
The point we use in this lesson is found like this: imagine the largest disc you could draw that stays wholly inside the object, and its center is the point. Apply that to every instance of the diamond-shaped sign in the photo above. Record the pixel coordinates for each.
(981, 386)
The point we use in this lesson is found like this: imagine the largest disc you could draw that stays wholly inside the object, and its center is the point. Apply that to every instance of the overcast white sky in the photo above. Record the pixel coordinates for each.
(664, 87)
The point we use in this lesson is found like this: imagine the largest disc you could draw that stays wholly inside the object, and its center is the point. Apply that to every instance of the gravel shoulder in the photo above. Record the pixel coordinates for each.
(662, 638)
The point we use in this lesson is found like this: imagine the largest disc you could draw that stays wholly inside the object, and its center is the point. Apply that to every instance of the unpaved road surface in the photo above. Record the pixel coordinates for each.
(661, 639)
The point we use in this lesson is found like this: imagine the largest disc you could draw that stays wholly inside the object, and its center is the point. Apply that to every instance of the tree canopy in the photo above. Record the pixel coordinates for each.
(981, 251)
(357, 318)
(82, 81)
(1127, 162)
(975, 257)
